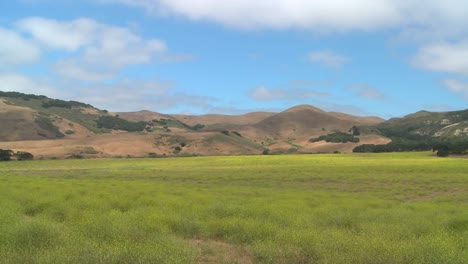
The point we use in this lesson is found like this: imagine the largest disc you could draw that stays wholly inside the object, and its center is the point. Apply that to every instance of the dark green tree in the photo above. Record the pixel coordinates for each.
(5, 154)
(355, 131)
(23, 155)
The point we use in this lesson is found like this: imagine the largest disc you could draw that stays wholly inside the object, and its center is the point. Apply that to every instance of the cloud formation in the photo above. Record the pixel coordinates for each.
(331, 15)
(328, 58)
(86, 50)
(15, 82)
(93, 51)
(457, 87)
(16, 50)
(444, 57)
(124, 95)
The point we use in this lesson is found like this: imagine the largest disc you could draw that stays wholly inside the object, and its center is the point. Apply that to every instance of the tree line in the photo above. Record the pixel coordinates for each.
(443, 148)
(8, 154)
(337, 137)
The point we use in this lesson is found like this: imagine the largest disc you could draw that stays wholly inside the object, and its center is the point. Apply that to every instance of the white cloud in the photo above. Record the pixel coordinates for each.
(457, 86)
(328, 58)
(263, 93)
(122, 95)
(331, 15)
(16, 50)
(81, 70)
(16, 82)
(69, 36)
(444, 57)
(95, 51)
(366, 91)
(134, 98)
(125, 95)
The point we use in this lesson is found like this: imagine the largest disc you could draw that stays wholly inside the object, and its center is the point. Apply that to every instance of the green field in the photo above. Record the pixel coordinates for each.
(385, 208)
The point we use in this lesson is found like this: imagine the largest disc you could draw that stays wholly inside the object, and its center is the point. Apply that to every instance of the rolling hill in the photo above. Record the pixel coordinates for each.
(427, 124)
(56, 128)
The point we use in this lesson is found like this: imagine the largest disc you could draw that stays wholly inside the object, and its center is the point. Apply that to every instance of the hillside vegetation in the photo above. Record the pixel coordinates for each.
(445, 132)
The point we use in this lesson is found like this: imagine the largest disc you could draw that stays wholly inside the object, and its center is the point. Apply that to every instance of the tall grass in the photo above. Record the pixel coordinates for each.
(386, 208)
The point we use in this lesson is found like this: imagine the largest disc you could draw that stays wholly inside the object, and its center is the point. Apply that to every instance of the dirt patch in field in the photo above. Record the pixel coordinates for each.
(437, 194)
(211, 251)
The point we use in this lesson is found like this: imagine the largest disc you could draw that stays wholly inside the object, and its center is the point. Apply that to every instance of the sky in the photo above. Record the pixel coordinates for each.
(384, 58)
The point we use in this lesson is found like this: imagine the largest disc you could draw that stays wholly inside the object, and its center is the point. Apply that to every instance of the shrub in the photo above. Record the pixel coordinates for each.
(76, 156)
(152, 155)
(443, 153)
(5, 154)
(236, 133)
(355, 131)
(177, 150)
(63, 104)
(23, 155)
(117, 123)
(225, 132)
(46, 124)
(337, 137)
(197, 127)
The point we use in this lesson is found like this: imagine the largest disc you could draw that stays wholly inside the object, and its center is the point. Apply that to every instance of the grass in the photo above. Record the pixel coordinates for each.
(369, 208)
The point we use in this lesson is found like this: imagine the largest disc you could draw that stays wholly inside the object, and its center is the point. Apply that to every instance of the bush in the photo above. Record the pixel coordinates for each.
(117, 123)
(46, 124)
(152, 155)
(5, 154)
(23, 96)
(23, 155)
(76, 156)
(355, 131)
(70, 132)
(443, 153)
(177, 150)
(337, 137)
(236, 133)
(266, 151)
(197, 127)
(63, 104)
(225, 132)
(442, 147)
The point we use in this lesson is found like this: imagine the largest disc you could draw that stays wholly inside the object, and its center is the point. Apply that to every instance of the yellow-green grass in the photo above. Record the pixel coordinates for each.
(369, 208)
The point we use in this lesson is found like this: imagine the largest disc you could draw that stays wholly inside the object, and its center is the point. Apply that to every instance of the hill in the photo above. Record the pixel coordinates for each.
(50, 127)
(426, 124)
(444, 132)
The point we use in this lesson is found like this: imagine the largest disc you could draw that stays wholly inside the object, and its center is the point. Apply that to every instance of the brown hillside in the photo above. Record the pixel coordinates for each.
(285, 132)
(302, 108)
(303, 122)
(17, 123)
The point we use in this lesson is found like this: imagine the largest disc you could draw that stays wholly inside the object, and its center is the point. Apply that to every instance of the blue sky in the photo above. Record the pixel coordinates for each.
(365, 57)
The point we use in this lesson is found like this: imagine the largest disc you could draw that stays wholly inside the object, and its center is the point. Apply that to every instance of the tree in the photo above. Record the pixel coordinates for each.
(5, 154)
(23, 155)
(355, 131)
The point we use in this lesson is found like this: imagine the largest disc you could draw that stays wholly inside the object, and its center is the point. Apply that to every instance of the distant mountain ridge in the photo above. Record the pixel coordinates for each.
(56, 128)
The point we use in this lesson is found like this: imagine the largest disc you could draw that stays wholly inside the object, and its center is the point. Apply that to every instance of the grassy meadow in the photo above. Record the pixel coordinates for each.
(369, 208)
